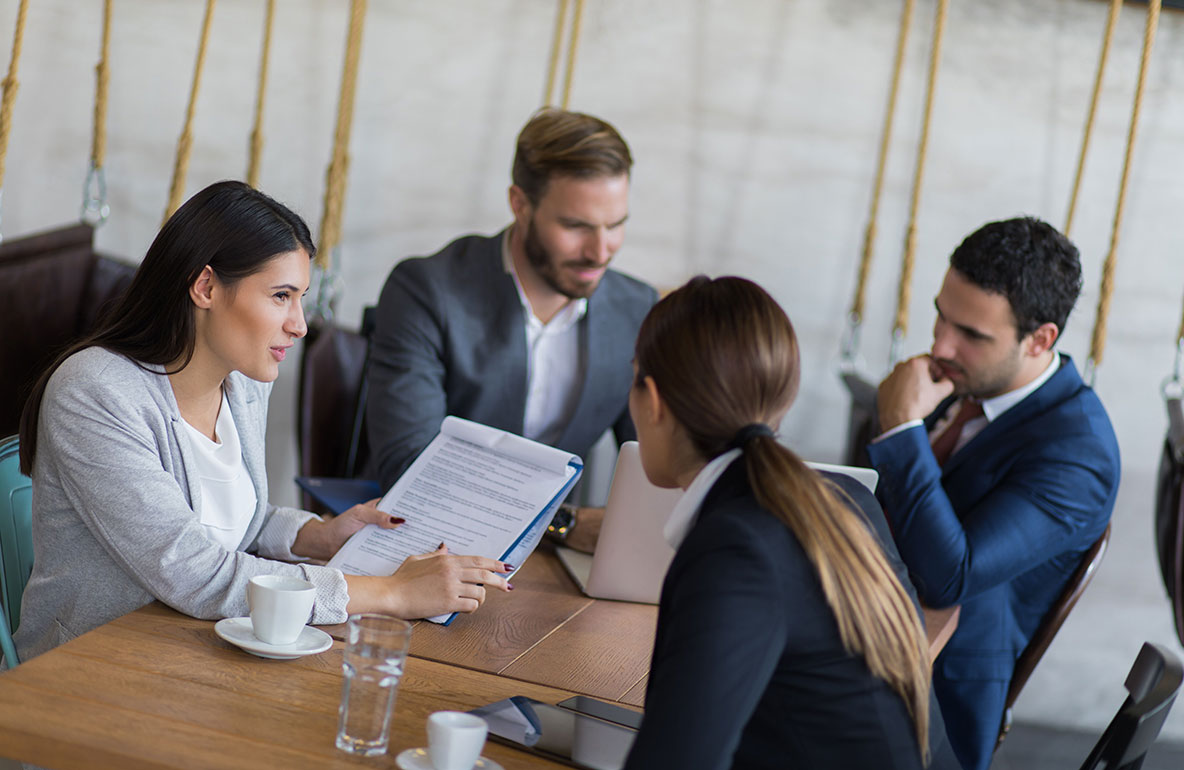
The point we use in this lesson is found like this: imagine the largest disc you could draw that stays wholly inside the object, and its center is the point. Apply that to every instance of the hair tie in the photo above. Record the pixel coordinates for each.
(749, 432)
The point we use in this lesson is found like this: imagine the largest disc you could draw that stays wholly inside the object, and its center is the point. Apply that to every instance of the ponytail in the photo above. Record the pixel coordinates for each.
(877, 620)
(724, 357)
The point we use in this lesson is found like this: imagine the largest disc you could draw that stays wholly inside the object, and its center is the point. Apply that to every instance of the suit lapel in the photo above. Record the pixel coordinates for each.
(506, 313)
(594, 342)
(1063, 384)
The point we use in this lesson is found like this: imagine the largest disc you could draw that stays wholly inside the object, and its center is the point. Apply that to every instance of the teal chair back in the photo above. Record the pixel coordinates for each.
(16, 542)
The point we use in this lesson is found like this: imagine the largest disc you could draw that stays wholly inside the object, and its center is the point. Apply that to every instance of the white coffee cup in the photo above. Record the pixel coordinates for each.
(455, 739)
(280, 606)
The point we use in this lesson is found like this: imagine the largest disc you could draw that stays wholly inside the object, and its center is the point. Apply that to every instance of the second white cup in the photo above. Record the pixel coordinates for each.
(280, 607)
(455, 739)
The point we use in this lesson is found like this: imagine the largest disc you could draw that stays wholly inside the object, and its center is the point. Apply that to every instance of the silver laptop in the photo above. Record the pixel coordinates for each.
(632, 554)
(869, 477)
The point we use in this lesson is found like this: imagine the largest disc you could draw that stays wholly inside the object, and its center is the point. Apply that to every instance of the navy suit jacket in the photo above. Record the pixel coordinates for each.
(450, 339)
(749, 670)
(999, 531)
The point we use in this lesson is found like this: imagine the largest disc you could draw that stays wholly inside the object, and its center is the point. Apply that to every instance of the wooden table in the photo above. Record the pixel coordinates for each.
(156, 689)
(547, 632)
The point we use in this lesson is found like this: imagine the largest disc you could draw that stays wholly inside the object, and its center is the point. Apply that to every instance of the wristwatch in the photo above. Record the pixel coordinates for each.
(563, 522)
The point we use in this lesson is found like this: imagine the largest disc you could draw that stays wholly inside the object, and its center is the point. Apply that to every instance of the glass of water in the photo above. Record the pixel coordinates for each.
(375, 650)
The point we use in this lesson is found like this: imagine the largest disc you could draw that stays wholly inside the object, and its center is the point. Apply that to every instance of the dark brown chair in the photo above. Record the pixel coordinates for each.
(861, 424)
(1052, 622)
(53, 289)
(1169, 512)
(332, 403)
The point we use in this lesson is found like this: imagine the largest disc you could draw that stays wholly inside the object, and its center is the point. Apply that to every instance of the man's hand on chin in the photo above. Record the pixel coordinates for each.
(910, 392)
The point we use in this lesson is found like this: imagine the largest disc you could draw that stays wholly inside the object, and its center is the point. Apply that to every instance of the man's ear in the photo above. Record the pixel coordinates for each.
(1042, 339)
(520, 205)
(201, 291)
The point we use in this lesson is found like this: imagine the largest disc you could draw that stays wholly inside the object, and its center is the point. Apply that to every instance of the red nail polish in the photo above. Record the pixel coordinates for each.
(397, 520)
(508, 567)
(510, 586)
(440, 546)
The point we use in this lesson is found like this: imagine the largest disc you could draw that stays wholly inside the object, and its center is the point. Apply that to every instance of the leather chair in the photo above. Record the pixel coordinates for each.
(53, 288)
(862, 424)
(1153, 683)
(16, 542)
(1052, 622)
(332, 403)
(1169, 512)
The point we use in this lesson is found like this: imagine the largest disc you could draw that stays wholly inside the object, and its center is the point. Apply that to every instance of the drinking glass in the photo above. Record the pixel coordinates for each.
(375, 650)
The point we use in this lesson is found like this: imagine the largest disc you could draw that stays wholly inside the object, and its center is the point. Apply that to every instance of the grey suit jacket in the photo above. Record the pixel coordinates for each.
(451, 340)
(117, 508)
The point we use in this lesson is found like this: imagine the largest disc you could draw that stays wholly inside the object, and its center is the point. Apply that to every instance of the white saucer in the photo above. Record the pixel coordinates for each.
(419, 759)
(238, 631)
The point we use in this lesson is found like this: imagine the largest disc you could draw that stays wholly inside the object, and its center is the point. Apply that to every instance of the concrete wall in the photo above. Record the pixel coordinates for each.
(755, 125)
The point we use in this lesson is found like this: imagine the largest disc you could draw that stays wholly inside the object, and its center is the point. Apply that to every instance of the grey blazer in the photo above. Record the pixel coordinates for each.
(117, 510)
(451, 340)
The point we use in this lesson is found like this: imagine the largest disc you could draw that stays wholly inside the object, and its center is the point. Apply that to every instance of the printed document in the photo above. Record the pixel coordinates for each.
(479, 490)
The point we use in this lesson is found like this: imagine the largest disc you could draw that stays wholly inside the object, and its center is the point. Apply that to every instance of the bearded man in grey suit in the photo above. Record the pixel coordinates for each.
(527, 330)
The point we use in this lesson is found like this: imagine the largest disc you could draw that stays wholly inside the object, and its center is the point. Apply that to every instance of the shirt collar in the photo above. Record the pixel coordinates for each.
(994, 407)
(571, 313)
(687, 510)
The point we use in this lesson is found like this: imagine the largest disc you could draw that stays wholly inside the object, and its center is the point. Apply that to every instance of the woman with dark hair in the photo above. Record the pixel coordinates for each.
(145, 442)
(788, 634)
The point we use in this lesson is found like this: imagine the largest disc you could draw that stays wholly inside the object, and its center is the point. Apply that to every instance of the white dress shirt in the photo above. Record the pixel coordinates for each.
(227, 492)
(554, 366)
(682, 518)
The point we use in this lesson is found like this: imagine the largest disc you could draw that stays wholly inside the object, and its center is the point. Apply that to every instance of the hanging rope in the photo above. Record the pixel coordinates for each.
(855, 317)
(900, 328)
(1098, 342)
(10, 85)
(325, 297)
(256, 153)
(572, 46)
(94, 190)
(1107, 40)
(556, 46)
(185, 143)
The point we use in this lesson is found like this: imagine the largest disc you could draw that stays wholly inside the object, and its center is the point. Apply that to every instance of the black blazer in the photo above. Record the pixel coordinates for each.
(748, 668)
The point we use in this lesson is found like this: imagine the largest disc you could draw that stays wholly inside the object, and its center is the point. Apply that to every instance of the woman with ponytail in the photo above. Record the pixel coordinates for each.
(788, 634)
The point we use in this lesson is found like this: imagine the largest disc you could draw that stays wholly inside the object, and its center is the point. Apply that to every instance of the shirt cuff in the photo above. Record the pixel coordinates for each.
(332, 594)
(278, 535)
(898, 429)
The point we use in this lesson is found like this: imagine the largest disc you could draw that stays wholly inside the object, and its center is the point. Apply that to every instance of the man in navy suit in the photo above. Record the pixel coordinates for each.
(998, 465)
(528, 330)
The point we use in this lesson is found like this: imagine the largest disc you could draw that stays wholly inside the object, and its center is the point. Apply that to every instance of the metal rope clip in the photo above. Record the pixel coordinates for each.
(94, 197)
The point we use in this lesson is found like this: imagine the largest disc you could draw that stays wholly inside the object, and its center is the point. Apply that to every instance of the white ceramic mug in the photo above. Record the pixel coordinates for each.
(280, 606)
(455, 739)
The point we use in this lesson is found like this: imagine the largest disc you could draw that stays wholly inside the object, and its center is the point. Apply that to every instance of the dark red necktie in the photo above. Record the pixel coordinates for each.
(944, 445)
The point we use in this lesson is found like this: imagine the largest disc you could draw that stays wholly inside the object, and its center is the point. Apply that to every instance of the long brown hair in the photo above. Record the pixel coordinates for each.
(724, 356)
(230, 226)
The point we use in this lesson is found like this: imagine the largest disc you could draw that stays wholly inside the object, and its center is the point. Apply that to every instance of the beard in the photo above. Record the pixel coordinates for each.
(988, 383)
(548, 267)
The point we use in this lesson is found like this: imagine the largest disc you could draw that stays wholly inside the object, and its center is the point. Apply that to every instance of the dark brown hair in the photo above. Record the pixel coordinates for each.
(230, 226)
(560, 143)
(724, 356)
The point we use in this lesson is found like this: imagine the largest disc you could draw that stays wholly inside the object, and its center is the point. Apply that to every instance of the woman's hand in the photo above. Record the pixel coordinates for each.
(321, 539)
(429, 584)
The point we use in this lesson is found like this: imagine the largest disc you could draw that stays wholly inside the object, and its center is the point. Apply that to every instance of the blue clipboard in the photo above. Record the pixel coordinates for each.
(339, 495)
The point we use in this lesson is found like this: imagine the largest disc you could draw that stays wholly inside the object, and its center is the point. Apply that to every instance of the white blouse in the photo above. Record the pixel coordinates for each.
(227, 492)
